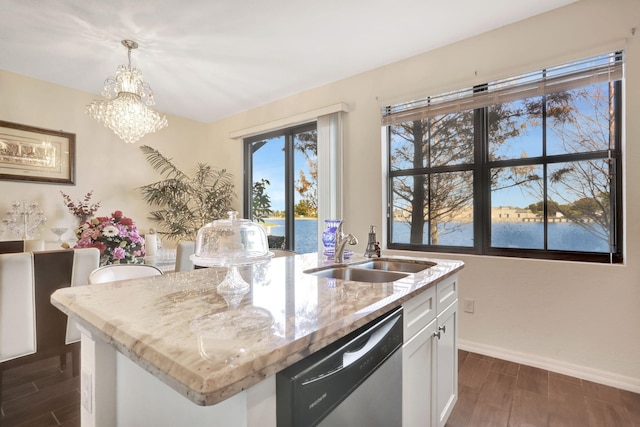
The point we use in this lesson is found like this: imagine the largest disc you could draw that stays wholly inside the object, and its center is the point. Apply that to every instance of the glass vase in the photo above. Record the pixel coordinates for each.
(329, 236)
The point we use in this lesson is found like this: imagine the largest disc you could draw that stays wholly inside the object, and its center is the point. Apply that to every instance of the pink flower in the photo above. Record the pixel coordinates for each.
(118, 253)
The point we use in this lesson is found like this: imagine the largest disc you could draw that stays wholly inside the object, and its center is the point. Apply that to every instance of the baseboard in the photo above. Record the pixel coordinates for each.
(583, 372)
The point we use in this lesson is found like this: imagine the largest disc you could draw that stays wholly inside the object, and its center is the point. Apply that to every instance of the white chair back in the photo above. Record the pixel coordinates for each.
(17, 306)
(85, 260)
(184, 250)
(115, 272)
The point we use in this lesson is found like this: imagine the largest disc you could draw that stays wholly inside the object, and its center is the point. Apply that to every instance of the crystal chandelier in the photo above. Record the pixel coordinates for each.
(126, 110)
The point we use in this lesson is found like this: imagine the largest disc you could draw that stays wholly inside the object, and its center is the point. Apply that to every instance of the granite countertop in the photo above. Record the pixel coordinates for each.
(179, 329)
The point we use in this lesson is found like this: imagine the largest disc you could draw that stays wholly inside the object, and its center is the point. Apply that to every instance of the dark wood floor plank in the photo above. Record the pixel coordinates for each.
(43, 396)
(561, 389)
(45, 420)
(72, 423)
(497, 390)
(563, 377)
(631, 402)
(567, 406)
(603, 413)
(17, 391)
(68, 413)
(602, 392)
(29, 411)
(485, 415)
(474, 372)
(533, 379)
(55, 378)
(462, 411)
(528, 409)
(505, 367)
(462, 356)
(10, 378)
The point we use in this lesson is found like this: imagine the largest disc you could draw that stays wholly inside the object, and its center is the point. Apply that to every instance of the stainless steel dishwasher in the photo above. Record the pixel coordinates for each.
(356, 381)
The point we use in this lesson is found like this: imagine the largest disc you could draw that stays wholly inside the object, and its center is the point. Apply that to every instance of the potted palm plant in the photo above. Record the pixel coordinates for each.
(185, 203)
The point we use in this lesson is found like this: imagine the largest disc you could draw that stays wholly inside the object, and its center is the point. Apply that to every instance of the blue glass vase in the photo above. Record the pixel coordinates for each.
(329, 236)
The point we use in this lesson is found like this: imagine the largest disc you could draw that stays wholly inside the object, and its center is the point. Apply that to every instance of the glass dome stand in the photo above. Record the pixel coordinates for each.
(233, 287)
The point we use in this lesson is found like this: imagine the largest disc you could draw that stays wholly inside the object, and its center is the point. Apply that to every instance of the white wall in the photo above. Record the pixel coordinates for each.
(104, 163)
(579, 318)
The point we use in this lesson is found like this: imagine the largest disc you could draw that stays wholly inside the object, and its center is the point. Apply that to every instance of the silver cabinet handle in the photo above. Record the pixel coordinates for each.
(443, 329)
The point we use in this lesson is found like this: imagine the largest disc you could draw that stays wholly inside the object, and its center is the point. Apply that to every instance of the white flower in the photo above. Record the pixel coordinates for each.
(110, 231)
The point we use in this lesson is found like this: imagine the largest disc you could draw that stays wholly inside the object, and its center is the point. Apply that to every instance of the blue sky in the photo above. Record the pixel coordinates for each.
(268, 162)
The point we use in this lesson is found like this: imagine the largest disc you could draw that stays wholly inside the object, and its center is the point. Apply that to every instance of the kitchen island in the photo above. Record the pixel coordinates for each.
(167, 350)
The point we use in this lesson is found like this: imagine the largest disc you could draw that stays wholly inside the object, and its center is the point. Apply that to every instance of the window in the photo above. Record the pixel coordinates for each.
(281, 181)
(528, 166)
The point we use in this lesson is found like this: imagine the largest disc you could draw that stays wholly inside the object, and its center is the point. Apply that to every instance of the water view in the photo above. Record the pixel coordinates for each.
(528, 235)
(306, 233)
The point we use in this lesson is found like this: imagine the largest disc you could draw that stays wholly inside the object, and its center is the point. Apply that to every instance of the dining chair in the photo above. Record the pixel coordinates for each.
(11, 246)
(85, 260)
(17, 306)
(115, 272)
(184, 250)
(31, 328)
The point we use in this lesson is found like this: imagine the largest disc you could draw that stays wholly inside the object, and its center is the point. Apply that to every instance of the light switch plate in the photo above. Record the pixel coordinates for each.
(468, 305)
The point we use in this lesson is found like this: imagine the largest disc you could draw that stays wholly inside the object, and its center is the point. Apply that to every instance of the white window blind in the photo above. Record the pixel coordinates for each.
(599, 69)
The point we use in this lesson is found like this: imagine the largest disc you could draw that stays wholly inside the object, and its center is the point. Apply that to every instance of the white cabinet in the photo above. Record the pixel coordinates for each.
(430, 355)
(446, 362)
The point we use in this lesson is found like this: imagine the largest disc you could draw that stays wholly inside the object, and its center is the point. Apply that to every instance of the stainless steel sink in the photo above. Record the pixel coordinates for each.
(405, 266)
(357, 274)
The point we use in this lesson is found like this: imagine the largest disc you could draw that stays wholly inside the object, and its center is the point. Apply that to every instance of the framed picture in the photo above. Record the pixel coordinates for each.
(29, 153)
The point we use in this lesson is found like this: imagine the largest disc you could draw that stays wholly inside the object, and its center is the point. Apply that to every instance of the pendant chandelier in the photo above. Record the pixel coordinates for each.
(126, 111)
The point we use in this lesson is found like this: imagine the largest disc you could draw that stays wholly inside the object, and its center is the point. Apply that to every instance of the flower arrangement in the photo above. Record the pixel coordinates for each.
(83, 209)
(116, 237)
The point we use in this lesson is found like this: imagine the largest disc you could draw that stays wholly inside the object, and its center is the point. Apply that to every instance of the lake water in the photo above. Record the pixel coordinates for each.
(528, 235)
(306, 234)
(525, 235)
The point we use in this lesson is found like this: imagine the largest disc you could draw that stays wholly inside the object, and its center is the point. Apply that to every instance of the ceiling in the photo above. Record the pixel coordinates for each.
(209, 59)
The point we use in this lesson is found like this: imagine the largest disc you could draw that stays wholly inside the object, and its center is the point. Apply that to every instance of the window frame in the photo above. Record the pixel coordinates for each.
(482, 167)
(289, 184)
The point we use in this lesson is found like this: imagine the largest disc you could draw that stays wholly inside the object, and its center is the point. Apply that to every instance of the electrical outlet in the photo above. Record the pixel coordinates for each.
(86, 387)
(468, 305)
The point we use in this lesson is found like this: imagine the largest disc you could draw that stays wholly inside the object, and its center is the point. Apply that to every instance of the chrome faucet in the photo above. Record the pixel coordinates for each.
(340, 242)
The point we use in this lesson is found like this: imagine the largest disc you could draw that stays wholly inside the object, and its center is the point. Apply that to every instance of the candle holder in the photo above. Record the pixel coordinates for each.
(24, 219)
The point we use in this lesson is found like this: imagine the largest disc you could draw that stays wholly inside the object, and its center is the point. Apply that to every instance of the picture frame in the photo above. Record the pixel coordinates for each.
(29, 153)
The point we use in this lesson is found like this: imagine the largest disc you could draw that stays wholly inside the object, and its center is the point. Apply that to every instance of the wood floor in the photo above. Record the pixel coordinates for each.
(493, 393)
(41, 394)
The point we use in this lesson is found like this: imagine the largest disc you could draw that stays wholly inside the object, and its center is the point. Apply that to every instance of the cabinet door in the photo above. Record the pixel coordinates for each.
(417, 375)
(447, 363)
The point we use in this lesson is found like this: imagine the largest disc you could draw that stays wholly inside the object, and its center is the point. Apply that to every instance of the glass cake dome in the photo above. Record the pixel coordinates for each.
(231, 242)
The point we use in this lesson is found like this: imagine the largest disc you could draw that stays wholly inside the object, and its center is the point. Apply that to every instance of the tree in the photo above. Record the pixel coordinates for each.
(260, 202)
(582, 120)
(186, 203)
(307, 187)
(441, 197)
(305, 208)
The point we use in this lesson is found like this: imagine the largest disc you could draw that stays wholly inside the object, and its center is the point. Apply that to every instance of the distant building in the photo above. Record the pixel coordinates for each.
(511, 214)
